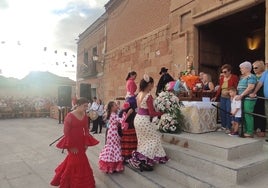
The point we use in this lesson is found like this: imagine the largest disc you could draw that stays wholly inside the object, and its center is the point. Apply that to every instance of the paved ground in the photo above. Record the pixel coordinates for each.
(27, 160)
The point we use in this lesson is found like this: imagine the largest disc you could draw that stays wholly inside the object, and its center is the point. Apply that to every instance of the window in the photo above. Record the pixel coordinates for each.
(86, 58)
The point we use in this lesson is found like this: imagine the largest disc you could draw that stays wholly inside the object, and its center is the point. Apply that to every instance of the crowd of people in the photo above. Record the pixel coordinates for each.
(26, 107)
(244, 89)
(131, 137)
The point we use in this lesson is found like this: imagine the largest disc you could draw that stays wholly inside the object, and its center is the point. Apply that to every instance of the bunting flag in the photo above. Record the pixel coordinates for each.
(46, 50)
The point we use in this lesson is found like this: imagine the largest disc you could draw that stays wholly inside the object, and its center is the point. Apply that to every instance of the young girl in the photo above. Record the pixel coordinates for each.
(110, 159)
(235, 111)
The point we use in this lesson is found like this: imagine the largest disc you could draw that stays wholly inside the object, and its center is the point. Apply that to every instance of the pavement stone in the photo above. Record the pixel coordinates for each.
(27, 160)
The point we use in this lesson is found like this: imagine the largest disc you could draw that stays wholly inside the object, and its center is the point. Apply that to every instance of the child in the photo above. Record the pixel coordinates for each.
(128, 138)
(110, 159)
(235, 111)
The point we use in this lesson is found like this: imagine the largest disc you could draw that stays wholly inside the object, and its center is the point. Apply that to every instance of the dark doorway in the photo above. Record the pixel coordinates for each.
(64, 96)
(85, 91)
(232, 39)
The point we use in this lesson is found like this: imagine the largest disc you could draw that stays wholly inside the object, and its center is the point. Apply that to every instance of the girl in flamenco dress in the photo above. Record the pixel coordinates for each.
(75, 170)
(110, 159)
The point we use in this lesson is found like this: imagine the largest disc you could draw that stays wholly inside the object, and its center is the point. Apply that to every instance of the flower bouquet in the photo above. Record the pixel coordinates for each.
(172, 119)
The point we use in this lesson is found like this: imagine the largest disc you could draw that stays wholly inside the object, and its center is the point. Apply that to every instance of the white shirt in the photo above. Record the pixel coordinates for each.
(97, 107)
(234, 105)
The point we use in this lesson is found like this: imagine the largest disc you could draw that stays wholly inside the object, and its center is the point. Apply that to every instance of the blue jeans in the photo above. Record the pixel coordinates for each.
(225, 104)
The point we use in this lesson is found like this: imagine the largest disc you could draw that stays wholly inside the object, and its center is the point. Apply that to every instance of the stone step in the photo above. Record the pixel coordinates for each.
(190, 168)
(130, 177)
(235, 171)
(216, 144)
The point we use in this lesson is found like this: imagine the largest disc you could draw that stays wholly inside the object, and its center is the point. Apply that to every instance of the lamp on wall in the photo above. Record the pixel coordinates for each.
(95, 58)
(253, 42)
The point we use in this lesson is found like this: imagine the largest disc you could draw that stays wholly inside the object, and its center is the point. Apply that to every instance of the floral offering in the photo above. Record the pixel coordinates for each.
(172, 120)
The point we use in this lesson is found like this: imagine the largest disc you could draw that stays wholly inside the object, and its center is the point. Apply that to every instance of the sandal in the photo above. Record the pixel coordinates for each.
(248, 135)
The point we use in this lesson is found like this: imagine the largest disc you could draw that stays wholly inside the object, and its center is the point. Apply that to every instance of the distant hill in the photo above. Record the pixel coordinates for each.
(36, 77)
(46, 78)
(4, 81)
(37, 83)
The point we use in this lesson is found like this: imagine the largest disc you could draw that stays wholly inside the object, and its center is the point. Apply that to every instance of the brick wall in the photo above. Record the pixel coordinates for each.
(133, 19)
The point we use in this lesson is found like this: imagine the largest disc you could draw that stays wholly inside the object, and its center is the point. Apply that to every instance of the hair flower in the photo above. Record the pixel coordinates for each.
(146, 78)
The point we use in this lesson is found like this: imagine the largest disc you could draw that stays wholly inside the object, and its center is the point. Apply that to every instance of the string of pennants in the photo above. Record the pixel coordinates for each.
(45, 49)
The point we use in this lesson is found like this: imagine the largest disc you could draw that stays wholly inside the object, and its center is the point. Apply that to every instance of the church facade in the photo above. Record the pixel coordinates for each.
(144, 36)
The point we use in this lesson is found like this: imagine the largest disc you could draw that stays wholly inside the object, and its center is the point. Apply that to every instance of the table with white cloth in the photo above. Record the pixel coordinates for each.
(199, 117)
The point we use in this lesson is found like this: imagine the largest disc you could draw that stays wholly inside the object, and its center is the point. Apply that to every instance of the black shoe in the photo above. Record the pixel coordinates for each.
(95, 132)
(266, 140)
(100, 132)
(92, 130)
(145, 167)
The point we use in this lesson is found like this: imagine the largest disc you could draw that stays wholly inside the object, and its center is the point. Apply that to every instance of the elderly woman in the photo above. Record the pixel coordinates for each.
(246, 86)
(259, 122)
(226, 81)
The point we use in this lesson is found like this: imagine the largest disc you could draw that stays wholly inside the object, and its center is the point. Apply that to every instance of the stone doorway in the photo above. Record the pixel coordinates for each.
(233, 39)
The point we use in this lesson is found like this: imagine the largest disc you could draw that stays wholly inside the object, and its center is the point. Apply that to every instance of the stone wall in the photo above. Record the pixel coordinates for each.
(145, 35)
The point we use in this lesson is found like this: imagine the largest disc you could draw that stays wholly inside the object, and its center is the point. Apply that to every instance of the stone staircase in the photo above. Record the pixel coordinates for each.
(196, 160)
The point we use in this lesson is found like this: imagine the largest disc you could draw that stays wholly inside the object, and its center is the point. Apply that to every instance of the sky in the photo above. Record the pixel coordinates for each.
(41, 35)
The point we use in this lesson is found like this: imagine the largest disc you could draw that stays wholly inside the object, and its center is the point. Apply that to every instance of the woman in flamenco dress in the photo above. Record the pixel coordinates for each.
(129, 138)
(75, 170)
(149, 150)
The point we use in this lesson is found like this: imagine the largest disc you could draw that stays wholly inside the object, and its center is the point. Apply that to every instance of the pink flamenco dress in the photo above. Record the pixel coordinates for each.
(110, 159)
(75, 170)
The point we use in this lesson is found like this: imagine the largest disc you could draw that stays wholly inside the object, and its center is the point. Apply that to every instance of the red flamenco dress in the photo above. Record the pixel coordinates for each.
(75, 170)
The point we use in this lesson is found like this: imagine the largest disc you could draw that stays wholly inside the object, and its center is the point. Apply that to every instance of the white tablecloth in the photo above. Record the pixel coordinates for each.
(199, 117)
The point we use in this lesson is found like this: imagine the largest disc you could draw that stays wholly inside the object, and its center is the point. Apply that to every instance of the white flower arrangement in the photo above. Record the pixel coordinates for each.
(167, 102)
(172, 120)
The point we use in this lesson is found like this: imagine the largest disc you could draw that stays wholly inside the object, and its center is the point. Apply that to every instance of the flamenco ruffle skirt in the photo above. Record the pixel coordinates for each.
(74, 172)
(111, 167)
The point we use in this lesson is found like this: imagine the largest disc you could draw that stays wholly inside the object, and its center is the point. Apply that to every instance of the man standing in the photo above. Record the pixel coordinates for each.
(61, 110)
(164, 79)
(263, 82)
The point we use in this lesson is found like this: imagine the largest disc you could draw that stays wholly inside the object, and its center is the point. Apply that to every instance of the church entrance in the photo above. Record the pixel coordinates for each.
(233, 39)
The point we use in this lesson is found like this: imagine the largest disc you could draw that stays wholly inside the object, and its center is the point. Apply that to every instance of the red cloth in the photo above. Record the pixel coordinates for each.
(75, 170)
(232, 82)
(150, 104)
(190, 80)
(128, 143)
